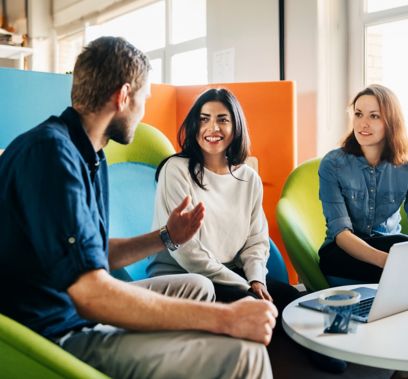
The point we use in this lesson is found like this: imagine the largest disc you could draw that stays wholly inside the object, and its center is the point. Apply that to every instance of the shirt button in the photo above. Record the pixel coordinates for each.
(371, 208)
(368, 226)
(371, 189)
(71, 240)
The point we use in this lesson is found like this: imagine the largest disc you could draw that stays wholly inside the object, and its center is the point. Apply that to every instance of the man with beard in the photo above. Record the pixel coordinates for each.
(55, 253)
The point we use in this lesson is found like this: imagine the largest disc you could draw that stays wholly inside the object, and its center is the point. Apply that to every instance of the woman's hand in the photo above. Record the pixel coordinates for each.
(182, 224)
(260, 290)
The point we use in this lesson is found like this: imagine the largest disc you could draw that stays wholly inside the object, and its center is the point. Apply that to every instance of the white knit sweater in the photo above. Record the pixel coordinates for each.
(234, 232)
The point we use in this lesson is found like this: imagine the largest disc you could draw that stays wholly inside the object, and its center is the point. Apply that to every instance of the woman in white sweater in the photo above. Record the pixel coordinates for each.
(232, 246)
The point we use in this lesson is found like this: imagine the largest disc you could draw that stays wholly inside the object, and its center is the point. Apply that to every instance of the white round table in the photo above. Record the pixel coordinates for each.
(382, 343)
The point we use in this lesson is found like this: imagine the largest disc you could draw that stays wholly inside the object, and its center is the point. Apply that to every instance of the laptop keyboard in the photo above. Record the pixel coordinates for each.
(362, 309)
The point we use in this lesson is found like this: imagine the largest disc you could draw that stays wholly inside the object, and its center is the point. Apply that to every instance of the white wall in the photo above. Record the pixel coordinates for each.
(333, 74)
(316, 58)
(301, 65)
(249, 30)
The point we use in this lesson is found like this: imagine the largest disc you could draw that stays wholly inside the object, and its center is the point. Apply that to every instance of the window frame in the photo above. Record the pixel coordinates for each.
(165, 54)
(359, 21)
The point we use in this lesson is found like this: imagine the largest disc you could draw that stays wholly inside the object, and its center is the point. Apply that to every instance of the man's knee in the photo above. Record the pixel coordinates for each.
(252, 361)
(186, 286)
(220, 357)
(202, 288)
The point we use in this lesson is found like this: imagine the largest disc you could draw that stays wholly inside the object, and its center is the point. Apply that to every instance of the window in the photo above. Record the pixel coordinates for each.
(68, 49)
(136, 27)
(188, 20)
(189, 67)
(380, 5)
(380, 57)
(386, 59)
(171, 32)
(156, 74)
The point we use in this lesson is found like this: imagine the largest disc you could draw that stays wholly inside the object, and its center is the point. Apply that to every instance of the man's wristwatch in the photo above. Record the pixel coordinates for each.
(165, 237)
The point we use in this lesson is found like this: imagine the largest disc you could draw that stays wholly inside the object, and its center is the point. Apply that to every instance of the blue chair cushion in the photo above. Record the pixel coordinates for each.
(276, 265)
(132, 190)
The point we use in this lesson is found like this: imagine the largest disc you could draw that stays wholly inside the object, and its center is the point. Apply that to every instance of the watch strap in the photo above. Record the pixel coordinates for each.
(165, 237)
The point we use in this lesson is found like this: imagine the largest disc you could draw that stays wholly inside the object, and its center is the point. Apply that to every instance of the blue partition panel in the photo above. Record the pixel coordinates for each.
(28, 98)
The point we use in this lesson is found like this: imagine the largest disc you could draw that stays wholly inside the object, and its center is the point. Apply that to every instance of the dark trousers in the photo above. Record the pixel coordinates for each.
(336, 262)
(282, 294)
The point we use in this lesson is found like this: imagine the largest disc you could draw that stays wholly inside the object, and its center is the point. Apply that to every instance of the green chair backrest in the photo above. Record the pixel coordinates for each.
(301, 223)
(302, 188)
(149, 146)
(26, 354)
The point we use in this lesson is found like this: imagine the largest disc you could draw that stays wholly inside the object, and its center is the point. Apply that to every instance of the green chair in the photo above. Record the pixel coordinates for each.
(25, 354)
(149, 146)
(302, 225)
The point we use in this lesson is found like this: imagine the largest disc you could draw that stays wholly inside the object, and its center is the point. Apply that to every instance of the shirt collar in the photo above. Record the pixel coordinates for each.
(363, 164)
(80, 139)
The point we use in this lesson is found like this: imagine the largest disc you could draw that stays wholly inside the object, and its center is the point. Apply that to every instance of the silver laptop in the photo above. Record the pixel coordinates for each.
(391, 296)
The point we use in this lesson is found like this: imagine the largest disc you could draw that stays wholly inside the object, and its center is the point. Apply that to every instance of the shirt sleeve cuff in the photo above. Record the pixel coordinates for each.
(67, 270)
(256, 271)
(338, 225)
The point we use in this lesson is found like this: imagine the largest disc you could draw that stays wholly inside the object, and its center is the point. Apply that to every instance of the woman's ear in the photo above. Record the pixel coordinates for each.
(123, 97)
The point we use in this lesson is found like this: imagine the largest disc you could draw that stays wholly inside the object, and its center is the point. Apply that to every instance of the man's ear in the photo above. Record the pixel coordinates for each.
(123, 96)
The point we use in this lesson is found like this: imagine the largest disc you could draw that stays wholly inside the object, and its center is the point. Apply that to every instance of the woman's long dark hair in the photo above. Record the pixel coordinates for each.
(237, 152)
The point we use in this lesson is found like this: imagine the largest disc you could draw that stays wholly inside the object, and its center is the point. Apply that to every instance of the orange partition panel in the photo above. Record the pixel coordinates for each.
(269, 108)
(161, 110)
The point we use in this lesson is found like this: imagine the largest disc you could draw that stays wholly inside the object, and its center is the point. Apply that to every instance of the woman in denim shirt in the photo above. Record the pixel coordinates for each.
(362, 186)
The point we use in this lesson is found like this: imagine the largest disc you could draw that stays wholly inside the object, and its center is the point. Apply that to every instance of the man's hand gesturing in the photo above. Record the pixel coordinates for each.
(182, 224)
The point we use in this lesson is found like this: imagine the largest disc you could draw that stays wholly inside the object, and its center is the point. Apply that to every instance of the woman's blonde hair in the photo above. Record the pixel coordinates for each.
(396, 141)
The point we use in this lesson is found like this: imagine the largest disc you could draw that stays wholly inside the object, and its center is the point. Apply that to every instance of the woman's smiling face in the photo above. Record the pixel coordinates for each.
(216, 130)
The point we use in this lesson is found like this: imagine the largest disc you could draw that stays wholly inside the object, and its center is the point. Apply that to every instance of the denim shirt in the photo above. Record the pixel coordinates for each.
(360, 197)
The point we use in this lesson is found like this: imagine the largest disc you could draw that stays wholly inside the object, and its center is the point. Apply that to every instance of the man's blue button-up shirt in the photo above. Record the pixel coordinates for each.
(54, 222)
(359, 197)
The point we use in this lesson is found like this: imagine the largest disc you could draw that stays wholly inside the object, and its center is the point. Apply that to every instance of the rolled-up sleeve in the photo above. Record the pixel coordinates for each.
(60, 212)
(334, 206)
